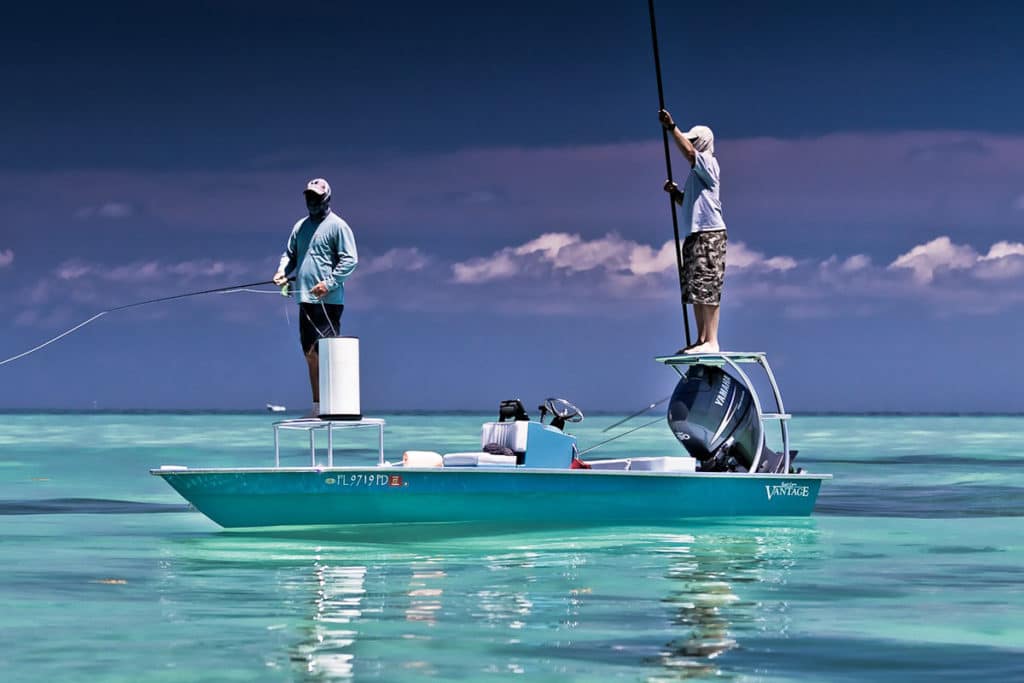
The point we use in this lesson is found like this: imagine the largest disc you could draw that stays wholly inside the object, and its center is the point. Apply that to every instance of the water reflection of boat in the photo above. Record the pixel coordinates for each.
(713, 577)
(595, 604)
(327, 649)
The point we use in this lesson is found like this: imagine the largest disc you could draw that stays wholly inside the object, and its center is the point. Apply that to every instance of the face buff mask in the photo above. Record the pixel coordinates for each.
(317, 204)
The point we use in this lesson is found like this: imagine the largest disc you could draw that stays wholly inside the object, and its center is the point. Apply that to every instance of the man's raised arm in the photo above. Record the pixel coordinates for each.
(685, 146)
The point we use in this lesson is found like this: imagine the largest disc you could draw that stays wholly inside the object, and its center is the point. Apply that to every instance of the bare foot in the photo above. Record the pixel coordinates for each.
(706, 347)
(686, 349)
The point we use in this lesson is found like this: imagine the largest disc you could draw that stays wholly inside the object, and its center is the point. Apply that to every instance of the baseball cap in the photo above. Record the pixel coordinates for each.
(318, 186)
(702, 138)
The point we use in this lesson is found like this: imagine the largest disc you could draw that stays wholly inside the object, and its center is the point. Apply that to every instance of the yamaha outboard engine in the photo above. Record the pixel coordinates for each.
(714, 416)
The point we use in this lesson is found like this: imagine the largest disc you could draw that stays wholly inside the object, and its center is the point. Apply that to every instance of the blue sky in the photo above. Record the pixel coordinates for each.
(500, 164)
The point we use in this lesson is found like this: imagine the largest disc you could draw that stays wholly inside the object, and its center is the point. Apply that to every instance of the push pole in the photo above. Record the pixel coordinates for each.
(668, 168)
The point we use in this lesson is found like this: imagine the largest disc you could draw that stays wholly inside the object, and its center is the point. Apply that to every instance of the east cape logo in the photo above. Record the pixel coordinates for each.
(787, 488)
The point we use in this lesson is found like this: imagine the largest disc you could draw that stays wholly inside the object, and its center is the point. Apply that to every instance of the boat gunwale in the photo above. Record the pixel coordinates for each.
(159, 472)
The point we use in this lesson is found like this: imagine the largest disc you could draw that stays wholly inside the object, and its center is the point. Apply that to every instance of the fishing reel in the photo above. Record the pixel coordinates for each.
(561, 412)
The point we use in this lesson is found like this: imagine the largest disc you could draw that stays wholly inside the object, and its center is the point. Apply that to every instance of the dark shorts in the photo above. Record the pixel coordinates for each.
(317, 321)
(704, 267)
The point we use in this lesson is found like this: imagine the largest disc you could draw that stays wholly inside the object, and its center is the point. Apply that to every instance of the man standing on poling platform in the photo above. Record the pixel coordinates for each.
(321, 251)
(704, 248)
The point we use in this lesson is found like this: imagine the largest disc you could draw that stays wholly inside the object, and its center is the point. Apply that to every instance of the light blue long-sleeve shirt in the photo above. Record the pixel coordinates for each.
(321, 252)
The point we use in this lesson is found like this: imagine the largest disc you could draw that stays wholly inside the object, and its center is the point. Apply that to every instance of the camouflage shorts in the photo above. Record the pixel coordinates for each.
(704, 267)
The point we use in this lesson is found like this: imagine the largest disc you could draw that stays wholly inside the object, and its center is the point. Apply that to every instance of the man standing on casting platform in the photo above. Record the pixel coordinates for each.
(704, 247)
(322, 252)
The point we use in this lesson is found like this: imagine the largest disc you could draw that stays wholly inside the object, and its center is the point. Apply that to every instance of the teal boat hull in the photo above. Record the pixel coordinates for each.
(238, 498)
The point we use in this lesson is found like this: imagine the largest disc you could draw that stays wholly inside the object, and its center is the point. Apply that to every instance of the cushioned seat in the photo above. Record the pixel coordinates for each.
(509, 434)
(421, 459)
(478, 459)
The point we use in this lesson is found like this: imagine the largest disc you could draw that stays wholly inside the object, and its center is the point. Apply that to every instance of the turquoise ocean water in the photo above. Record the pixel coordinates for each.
(912, 567)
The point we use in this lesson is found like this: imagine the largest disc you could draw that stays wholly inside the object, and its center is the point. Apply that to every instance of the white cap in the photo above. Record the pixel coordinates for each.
(702, 138)
(318, 186)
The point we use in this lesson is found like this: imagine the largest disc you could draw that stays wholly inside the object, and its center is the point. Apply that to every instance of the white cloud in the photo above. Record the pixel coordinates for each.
(407, 259)
(623, 263)
(151, 271)
(1004, 260)
(98, 284)
(206, 268)
(609, 253)
(497, 267)
(835, 270)
(855, 263)
(644, 260)
(72, 270)
(6, 257)
(549, 244)
(135, 272)
(940, 275)
(740, 256)
(939, 254)
(1000, 269)
(557, 250)
(560, 251)
(1004, 249)
(112, 210)
(77, 287)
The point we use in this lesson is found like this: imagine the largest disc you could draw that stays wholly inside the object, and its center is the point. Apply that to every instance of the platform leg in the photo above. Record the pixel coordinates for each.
(782, 409)
(312, 447)
(330, 445)
(277, 447)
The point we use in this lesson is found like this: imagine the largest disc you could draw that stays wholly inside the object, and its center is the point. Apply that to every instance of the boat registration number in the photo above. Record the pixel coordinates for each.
(365, 480)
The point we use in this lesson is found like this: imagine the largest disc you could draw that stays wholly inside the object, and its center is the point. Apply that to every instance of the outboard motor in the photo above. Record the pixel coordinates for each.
(714, 416)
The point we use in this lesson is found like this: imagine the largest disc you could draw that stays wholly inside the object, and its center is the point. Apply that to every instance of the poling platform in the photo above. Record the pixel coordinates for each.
(733, 360)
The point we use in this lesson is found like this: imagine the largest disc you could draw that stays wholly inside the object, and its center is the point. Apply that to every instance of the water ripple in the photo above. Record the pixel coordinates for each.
(85, 506)
(960, 500)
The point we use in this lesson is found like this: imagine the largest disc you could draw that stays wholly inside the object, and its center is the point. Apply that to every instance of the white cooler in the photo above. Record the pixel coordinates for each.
(339, 378)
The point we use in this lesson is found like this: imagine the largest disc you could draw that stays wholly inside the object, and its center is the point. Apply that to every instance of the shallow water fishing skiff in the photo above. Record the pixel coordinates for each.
(531, 472)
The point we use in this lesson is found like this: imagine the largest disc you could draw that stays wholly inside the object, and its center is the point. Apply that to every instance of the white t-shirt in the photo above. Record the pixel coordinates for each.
(701, 205)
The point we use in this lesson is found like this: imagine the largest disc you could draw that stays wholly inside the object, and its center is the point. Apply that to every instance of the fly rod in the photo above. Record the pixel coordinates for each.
(234, 288)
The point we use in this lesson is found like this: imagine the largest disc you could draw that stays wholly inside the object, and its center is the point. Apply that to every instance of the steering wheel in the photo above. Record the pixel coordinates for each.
(562, 411)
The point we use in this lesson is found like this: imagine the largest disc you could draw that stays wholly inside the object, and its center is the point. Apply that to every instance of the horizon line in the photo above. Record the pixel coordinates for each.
(466, 411)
